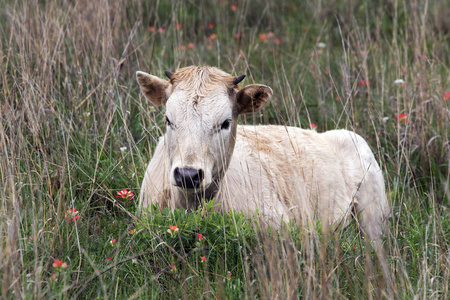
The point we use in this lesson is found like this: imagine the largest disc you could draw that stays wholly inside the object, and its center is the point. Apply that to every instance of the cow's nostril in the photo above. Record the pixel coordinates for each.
(177, 177)
(188, 178)
(200, 176)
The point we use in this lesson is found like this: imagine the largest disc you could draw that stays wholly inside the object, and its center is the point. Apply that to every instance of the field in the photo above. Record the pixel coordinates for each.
(75, 130)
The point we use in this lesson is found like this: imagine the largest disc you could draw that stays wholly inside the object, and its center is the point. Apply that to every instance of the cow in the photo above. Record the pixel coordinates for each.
(281, 172)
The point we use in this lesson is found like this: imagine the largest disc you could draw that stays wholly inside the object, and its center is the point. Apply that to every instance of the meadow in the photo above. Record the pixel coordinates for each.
(75, 131)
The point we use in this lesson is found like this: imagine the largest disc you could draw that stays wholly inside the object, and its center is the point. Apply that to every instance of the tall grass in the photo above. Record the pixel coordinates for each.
(69, 105)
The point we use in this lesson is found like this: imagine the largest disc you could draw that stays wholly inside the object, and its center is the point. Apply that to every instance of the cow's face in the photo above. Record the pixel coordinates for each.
(202, 107)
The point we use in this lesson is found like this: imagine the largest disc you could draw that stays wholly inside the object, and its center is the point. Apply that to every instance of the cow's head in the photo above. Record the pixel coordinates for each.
(202, 107)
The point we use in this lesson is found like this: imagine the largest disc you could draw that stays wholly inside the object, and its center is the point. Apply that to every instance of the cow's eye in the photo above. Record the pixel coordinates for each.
(168, 122)
(225, 125)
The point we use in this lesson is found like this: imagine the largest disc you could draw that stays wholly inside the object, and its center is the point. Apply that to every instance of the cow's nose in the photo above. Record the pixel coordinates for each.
(188, 178)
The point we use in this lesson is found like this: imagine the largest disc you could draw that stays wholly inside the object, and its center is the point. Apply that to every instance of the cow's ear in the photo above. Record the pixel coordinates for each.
(252, 98)
(154, 88)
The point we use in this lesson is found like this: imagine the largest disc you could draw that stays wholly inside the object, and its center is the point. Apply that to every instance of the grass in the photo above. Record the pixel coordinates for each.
(69, 102)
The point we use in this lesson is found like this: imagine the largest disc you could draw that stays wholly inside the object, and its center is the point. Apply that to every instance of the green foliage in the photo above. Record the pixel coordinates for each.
(224, 234)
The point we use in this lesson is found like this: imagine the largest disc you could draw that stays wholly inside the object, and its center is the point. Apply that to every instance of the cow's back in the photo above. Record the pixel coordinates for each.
(290, 171)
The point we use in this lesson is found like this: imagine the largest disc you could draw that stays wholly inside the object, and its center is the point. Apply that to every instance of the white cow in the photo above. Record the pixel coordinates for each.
(283, 172)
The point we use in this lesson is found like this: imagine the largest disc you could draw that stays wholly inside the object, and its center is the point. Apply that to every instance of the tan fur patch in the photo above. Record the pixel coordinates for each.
(201, 80)
(259, 142)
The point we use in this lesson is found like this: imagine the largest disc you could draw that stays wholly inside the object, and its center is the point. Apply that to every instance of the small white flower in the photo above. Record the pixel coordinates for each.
(399, 81)
(321, 45)
(385, 119)
(123, 149)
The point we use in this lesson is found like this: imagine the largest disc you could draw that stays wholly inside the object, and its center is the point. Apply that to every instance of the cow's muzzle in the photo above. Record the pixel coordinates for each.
(188, 178)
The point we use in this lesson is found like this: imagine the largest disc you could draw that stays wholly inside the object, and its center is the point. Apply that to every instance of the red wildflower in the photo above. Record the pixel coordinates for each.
(354, 248)
(200, 237)
(124, 194)
(277, 41)
(31, 237)
(53, 277)
(173, 268)
(263, 37)
(162, 30)
(402, 118)
(132, 231)
(152, 28)
(237, 35)
(72, 215)
(363, 82)
(59, 264)
(178, 25)
(181, 47)
(229, 274)
(447, 96)
(312, 125)
(113, 242)
(212, 36)
(191, 46)
(338, 98)
(203, 258)
(172, 229)
(234, 7)
(210, 25)
(109, 258)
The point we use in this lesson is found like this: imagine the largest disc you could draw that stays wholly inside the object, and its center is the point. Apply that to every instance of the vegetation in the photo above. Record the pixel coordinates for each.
(75, 131)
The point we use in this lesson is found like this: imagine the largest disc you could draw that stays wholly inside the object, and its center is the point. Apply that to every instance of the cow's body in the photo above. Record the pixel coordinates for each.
(282, 172)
